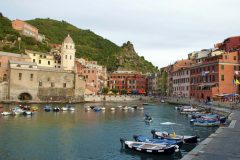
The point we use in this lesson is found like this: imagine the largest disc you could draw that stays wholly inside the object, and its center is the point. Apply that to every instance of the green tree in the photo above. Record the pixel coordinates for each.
(123, 91)
(114, 90)
(163, 83)
(105, 90)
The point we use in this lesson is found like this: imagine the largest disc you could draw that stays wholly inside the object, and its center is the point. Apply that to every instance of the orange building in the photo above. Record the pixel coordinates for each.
(214, 76)
(27, 29)
(5, 57)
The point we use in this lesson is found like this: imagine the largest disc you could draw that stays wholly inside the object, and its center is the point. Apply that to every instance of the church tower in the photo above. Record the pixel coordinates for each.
(68, 54)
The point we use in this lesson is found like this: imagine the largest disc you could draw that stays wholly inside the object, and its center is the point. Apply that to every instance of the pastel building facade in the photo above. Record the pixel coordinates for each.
(27, 29)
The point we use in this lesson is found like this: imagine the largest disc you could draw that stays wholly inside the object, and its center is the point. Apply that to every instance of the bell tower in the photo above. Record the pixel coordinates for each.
(68, 54)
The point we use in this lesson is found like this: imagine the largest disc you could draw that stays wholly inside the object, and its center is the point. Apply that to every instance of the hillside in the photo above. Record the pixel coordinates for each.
(88, 44)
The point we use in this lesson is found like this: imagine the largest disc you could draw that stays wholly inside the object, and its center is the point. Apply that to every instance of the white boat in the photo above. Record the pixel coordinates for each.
(27, 113)
(140, 108)
(17, 111)
(112, 109)
(64, 109)
(131, 108)
(119, 107)
(103, 108)
(125, 108)
(6, 113)
(87, 108)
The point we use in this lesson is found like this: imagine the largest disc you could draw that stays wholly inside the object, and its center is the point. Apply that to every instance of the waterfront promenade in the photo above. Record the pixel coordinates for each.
(222, 145)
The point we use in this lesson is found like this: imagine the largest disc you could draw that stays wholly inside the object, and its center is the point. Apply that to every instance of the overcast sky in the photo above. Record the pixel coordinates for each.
(161, 30)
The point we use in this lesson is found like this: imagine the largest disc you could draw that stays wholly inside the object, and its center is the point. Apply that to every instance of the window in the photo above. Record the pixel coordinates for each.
(222, 77)
(33, 60)
(39, 61)
(88, 71)
(31, 77)
(93, 81)
(40, 83)
(235, 68)
(0, 64)
(92, 71)
(64, 85)
(222, 67)
(44, 56)
(20, 76)
(48, 62)
(66, 46)
(86, 76)
(34, 54)
(40, 56)
(70, 57)
(65, 56)
(225, 56)
(52, 84)
(234, 58)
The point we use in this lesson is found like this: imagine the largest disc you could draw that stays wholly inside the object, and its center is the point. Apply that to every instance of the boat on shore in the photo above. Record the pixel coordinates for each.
(150, 148)
(173, 136)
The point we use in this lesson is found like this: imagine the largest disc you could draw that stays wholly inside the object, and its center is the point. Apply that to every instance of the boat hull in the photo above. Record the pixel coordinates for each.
(167, 151)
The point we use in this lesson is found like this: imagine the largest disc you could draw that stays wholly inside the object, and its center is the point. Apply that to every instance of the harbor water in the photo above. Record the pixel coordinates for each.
(83, 135)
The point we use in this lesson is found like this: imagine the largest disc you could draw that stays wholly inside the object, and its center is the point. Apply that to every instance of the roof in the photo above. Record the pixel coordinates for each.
(22, 62)
(68, 39)
(13, 55)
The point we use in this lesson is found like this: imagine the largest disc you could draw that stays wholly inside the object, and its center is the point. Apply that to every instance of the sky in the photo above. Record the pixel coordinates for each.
(162, 31)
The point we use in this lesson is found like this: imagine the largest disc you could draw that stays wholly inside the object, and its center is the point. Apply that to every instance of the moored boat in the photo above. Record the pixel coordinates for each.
(28, 113)
(112, 109)
(97, 109)
(141, 138)
(47, 108)
(17, 111)
(150, 147)
(56, 109)
(6, 113)
(87, 108)
(173, 136)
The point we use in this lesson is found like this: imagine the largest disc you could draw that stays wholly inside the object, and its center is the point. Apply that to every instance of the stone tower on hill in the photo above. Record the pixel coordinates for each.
(68, 54)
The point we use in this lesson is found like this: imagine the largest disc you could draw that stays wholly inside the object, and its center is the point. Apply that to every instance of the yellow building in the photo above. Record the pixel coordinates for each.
(44, 59)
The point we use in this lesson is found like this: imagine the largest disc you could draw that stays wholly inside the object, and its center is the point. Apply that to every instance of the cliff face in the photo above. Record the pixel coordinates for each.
(88, 44)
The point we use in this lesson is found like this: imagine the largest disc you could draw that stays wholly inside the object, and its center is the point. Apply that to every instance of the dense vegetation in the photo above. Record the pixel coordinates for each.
(88, 44)
(12, 41)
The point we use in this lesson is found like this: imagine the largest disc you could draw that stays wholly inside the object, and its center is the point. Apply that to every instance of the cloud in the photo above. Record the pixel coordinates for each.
(161, 31)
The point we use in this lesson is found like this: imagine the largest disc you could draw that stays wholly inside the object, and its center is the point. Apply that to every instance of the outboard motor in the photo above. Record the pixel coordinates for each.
(153, 133)
(135, 137)
(122, 140)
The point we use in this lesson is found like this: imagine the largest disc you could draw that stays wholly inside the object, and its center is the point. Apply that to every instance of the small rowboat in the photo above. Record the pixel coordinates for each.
(150, 148)
(56, 109)
(6, 113)
(166, 135)
(140, 138)
(47, 108)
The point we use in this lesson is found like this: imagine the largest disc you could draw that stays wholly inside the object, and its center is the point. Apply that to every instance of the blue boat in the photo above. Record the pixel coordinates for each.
(97, 109)
(141, 138)
(47, 108)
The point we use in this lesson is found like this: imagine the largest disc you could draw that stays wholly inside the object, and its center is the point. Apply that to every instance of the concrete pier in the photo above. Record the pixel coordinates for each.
(221, 145)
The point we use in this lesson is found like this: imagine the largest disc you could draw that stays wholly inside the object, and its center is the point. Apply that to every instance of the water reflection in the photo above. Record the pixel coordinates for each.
(88, 134)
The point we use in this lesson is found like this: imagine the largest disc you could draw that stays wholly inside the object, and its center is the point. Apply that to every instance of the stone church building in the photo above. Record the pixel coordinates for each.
(44, 76)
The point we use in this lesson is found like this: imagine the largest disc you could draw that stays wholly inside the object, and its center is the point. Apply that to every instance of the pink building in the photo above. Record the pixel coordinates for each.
(95, 75)
(4, 62)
